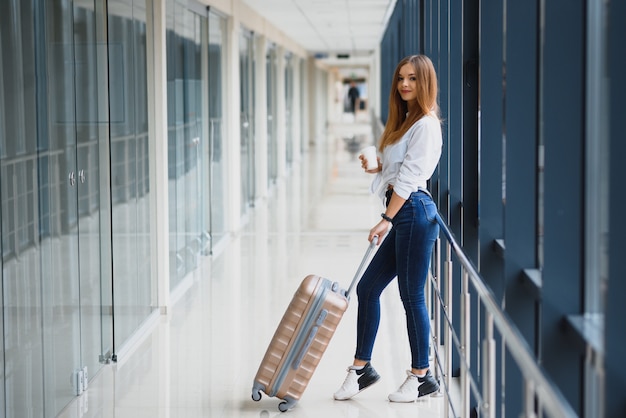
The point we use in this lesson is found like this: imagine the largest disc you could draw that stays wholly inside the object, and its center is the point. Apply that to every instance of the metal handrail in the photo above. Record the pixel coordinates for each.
(537, 383)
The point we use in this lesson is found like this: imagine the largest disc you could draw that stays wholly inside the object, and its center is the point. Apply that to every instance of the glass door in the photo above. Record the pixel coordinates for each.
(272, 137)
(60, 284)
(188, 136)
(92, 173)
(216, 198)
(289, 110)
(246, 72)
(134, 285)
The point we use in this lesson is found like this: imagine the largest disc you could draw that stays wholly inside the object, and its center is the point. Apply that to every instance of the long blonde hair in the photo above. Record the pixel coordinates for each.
(397, 120)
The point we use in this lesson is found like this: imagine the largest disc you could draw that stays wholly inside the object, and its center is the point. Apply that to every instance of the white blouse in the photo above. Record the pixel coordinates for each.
(411, 161)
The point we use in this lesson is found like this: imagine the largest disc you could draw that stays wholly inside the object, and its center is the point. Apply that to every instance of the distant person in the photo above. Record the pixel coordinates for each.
(410, 149)
(353, 96)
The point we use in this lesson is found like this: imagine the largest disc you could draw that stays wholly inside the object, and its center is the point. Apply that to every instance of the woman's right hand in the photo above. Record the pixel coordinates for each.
(364, 165)
(379, 230)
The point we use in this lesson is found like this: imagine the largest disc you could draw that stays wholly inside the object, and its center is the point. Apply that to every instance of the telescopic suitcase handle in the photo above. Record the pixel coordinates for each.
(357, 276)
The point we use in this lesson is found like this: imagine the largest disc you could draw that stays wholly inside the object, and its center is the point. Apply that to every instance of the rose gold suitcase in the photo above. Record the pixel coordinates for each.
(302, 337)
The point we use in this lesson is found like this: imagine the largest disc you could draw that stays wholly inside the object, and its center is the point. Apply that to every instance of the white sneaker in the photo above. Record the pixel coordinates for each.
(356, 381)
(414, 387)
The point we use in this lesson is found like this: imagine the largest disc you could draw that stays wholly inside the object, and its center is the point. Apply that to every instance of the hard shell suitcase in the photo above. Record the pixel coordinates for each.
(302, 336)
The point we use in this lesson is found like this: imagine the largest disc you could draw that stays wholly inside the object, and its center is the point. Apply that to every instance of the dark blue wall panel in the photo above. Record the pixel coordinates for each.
(616, 308)
(563, 133)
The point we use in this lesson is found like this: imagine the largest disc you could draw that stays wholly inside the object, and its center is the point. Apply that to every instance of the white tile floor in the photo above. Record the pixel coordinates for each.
(201, 358)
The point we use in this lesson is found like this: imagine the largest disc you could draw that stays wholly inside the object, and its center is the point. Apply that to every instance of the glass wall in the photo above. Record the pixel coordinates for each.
(188, 130)
(67, 224)
(246, 72)
(215, 201)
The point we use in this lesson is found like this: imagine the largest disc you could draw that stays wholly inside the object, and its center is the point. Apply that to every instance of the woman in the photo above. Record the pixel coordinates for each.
(410, 147)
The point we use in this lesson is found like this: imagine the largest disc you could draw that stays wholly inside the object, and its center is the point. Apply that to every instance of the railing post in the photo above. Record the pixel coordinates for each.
(529, 399)
(437, 313)
(448, 330)
(465, 345)
(489, 369)
(430, 306)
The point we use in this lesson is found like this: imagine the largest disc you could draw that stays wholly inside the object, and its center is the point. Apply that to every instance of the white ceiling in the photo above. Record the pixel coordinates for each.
(332, 27)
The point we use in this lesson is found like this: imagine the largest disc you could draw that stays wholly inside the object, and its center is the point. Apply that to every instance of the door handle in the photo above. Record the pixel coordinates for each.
(72, 178)
(81, 176)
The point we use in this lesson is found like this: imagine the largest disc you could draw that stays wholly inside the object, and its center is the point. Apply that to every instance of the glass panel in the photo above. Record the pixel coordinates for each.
(133, 283)
(146, 281)
(289, 106)
(174, 71)
(303, 105)
(89, 117)
(22, 230)
(246, 70)
(187, 83)
(192, 119)
(59, 251)
(272, 139)
(217, 78)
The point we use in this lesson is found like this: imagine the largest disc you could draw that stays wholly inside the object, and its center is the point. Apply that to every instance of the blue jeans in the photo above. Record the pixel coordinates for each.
(405, 253)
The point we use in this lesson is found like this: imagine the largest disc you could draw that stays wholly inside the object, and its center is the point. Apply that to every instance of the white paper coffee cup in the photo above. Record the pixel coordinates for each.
(369, 153)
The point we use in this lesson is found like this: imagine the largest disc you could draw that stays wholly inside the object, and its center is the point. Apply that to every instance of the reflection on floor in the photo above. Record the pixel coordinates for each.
(201, 358)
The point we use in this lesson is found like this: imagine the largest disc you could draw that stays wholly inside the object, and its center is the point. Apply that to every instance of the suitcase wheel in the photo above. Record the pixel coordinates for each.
(256, 391)
(287, 404)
